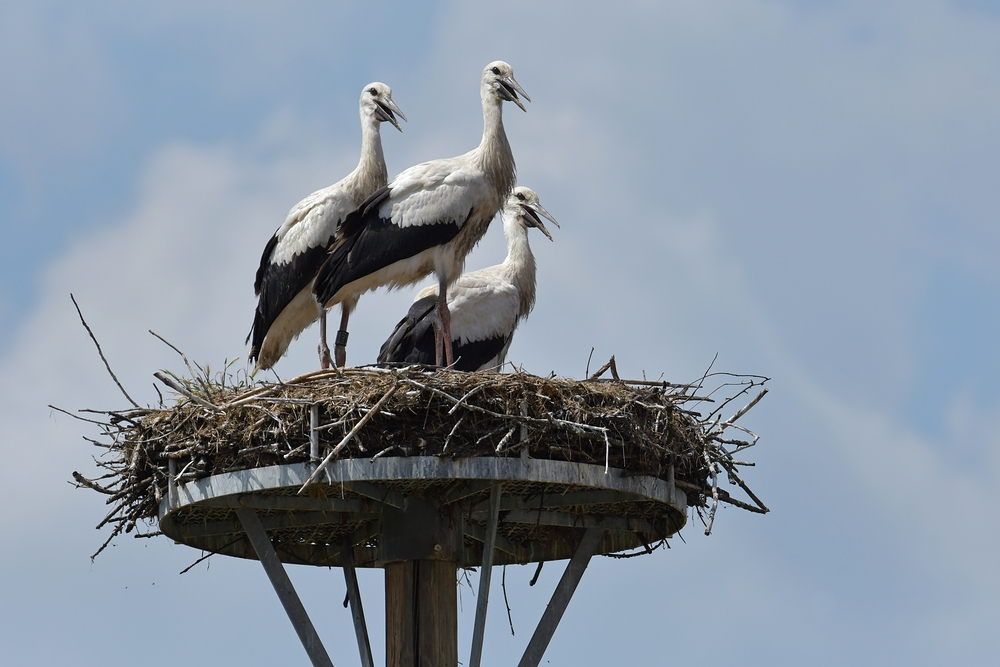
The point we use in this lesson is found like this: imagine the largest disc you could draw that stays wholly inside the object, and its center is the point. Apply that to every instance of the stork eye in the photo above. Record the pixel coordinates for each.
(372, 92)
(520, 196)
(496, 70)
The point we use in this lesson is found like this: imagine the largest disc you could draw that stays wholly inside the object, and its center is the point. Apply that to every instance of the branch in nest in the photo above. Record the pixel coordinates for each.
(100, 352)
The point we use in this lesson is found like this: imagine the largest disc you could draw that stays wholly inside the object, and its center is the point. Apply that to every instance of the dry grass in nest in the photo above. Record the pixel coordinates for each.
(214, 426)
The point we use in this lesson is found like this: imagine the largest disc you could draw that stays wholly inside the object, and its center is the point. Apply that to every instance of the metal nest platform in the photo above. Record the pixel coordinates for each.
(420, 472)
(427, 507)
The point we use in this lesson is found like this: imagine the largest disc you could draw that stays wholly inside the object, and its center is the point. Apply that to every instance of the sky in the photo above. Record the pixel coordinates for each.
(802, 190)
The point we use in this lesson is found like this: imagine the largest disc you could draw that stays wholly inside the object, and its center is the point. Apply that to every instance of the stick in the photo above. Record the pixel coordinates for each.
(184, 357)
(83, 419)
(83, 481)
(600, 371)
(106, 364)
(503, 584)
(715, 494)
(349, 436)
(746, 408)
(182, 390)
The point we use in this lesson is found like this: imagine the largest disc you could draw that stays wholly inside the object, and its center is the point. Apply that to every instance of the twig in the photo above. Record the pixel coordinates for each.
(210, 553)
(106, 364)
(349, 436)
(83, 481)
(451, 433)
(603, 369)
(503, 584)
(746, 408)
(182, 390)
(83, 419)
(538, 571)
(173, 347)
(715, 493)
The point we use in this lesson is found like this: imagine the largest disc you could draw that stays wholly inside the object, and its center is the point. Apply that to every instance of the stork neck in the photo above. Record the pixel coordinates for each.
(520, 263)
(371, 173)
(494, 154)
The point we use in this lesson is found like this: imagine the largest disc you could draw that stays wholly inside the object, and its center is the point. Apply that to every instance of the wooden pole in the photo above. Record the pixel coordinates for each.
(421, 614)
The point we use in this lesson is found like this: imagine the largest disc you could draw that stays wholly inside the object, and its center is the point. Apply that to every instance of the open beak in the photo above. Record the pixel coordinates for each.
(533, 214)
(509, 89)
(385, 110)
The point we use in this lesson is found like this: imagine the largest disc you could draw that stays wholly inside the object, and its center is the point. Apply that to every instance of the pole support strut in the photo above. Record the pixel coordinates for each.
(283, 587)
(561, 597)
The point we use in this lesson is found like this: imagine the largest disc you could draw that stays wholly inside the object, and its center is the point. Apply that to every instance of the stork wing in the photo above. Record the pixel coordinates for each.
(482, 307)
(483, 317)
(412, 341)
(424, 207)
(294, 255)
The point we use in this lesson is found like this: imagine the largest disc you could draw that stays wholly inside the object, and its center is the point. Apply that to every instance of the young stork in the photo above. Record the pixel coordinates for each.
(295, 253)
(430, 216)
(486, 305)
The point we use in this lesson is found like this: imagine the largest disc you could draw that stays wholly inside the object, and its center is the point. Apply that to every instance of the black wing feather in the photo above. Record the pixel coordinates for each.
(409, 340)
(376, 243)
(265, 259)
(277, 286)
(412, 341)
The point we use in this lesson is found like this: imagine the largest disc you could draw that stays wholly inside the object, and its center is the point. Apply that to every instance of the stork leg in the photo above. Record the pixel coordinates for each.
(444, 334)
(340, 345)
(324, 349)
(438, 344)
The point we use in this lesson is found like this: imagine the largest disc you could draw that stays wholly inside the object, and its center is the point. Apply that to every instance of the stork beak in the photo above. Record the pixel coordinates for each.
(532, 219)
(384, 112)
(509, 89)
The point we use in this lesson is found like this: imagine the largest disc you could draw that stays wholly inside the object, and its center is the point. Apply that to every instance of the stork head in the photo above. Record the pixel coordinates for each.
(528, 211)
(376, 102)
(498, 80)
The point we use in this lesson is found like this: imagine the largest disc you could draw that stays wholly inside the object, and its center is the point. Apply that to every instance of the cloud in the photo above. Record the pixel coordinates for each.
(767, 181)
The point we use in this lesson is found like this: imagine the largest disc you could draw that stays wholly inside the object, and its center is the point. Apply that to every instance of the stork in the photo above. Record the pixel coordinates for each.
(485, 305)
(293, 256)
(429, 217)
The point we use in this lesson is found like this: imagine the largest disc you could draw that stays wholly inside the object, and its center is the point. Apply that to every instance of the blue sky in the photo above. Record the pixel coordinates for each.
(807, 190)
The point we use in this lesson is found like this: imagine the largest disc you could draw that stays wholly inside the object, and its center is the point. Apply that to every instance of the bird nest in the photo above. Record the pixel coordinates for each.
(651, 428)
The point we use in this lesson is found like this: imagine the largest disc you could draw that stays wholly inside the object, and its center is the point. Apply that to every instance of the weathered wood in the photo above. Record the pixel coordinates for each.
(283, 587)
(560, 598)
(421, 614)
(421, 530)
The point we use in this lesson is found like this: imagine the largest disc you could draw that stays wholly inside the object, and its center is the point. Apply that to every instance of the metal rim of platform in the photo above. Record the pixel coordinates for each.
(546, 506)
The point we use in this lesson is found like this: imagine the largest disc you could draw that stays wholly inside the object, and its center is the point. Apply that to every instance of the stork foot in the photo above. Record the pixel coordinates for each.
(325, 359)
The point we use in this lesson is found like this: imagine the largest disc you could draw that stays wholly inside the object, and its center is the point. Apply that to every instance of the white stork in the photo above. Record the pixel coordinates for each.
(293, 256)
(486, 305)
(430, 216)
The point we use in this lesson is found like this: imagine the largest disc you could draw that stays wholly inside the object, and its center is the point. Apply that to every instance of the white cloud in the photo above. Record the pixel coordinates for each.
(740, 178)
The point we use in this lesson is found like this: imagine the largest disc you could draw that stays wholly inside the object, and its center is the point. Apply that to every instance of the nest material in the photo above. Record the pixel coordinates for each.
(640, 427)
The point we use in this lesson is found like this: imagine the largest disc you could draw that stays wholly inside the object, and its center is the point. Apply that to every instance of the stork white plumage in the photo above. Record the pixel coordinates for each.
(430, 216)
(485, 305)
(295, 252)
